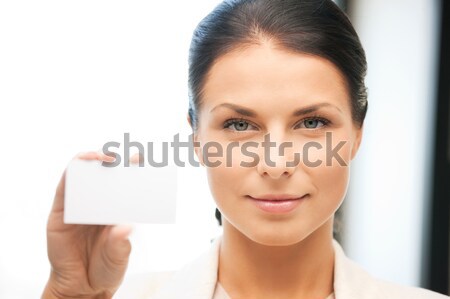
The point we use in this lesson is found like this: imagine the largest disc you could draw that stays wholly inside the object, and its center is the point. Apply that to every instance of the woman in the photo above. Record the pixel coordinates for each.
(278, 86)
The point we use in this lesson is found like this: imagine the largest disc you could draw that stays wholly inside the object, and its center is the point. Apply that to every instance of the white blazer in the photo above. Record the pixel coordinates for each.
(197, 280)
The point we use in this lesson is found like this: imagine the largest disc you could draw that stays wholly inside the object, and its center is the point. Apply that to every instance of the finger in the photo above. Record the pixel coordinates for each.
(121, 232)
(118, 246)
(137, 158)
(92, 155)
(58, 201)
(110, 269)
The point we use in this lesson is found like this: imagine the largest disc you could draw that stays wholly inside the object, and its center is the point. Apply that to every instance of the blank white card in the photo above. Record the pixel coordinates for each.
(96, 194)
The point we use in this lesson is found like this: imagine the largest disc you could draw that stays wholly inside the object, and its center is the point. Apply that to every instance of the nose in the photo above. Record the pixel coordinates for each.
(276, 160)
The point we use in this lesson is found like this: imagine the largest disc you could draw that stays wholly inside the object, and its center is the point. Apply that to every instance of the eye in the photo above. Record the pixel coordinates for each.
(239, 124)
(314, 123)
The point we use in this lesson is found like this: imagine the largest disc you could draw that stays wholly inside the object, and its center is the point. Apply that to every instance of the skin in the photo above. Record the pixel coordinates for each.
(286, 255)
(88, 261)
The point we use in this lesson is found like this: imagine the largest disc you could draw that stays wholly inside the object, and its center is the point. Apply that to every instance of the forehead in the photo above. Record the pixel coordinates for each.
(263, 76)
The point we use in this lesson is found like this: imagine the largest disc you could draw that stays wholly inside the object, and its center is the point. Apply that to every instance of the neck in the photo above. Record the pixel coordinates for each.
(248, 269)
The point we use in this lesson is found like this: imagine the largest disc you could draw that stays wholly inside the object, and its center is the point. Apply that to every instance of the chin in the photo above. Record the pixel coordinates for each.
(278, 240)
(276, 236)
(274, 241)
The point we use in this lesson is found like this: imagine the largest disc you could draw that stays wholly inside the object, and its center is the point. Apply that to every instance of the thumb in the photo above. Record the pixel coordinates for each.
(118, 246)
(113, 259)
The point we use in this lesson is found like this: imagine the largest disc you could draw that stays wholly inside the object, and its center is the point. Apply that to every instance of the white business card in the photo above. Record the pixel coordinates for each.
(96, 194)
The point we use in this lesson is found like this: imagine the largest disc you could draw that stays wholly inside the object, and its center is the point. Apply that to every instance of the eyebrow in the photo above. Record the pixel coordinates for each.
(251, 113)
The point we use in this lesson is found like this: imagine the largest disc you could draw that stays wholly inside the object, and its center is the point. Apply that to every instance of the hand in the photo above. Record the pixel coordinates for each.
(88, 261)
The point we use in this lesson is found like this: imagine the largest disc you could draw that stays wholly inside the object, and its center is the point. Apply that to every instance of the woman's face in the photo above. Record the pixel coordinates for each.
(251, 95)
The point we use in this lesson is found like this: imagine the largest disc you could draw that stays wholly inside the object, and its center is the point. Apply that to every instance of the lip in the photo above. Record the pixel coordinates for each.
(277, 197)
(278, 204)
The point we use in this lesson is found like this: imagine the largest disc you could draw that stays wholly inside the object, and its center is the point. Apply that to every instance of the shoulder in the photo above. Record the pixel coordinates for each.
(353, 281)
(140, 286)
(392, 290)
(195, 280)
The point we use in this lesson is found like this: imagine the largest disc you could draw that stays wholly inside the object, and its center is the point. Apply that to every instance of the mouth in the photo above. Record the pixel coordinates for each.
(277, 204)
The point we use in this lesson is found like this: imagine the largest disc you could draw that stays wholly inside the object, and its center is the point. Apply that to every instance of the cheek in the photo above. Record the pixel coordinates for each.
(331, 182)
(331, 177)
(225, 187)
(225, 179)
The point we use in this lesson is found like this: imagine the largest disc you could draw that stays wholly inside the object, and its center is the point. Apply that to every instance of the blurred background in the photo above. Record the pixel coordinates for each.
(77, 74)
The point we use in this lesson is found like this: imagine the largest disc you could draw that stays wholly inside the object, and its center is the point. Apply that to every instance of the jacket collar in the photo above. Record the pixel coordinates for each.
(350, 280)
(197, 280)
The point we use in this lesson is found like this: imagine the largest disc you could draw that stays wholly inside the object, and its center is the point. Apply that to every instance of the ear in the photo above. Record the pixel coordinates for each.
(195, 139)
(357, 142)
(189, 121)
